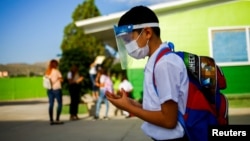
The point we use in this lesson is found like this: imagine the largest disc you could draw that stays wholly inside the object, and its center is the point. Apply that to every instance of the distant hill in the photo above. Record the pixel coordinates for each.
(23, 69)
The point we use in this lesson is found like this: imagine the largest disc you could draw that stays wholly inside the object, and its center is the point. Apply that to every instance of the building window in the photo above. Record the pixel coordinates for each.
(230, 46)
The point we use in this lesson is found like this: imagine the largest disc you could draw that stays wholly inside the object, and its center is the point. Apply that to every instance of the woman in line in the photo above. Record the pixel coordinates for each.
(74, 79)
(55, 76)
(104, 82)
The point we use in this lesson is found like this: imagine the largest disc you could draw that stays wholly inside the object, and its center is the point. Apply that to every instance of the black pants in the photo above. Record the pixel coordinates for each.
(75, 92)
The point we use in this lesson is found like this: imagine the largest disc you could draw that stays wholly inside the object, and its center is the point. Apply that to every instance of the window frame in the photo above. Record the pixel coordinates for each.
(230, 28)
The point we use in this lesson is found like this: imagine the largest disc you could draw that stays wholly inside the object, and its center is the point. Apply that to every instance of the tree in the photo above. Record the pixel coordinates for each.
(78, 48)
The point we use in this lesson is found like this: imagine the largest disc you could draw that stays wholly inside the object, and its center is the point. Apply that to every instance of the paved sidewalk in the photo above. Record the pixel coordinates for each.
(28, 121)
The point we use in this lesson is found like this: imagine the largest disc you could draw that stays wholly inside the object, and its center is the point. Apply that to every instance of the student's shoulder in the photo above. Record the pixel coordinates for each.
(170, 58)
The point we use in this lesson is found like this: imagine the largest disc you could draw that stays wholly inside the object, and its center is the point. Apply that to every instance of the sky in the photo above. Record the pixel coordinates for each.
(32, 30)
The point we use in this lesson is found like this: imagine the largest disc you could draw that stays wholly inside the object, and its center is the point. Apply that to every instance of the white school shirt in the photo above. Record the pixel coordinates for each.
(172, 83)
(92, 70)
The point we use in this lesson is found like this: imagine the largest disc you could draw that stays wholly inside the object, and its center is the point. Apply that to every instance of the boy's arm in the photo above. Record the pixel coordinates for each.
(135, 103)
(166, 117)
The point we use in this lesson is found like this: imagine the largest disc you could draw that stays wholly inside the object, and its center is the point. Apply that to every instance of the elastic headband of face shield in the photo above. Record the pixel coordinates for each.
(123, 37)
(124, 29)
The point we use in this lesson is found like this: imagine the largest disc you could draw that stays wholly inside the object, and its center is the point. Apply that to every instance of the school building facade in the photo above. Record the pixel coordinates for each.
(219, 29)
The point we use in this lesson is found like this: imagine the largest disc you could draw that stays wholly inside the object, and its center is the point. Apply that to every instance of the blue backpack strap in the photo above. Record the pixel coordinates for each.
(171, 46)
(182, 122)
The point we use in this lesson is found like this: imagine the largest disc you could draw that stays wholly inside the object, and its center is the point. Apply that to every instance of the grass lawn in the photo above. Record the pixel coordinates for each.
(239, 101)
(82, 109)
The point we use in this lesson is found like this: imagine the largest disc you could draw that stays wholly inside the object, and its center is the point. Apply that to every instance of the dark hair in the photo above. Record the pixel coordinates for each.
(140, 15)
(53, 63)
(74, 69)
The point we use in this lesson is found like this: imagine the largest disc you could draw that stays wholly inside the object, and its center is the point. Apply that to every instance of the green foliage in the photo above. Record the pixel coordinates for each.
(74, 56)
(116, 68)
(79, 48)
(85, 11)
(107, 63)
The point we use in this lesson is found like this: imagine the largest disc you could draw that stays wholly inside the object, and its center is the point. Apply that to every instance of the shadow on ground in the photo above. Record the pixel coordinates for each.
(28, 102)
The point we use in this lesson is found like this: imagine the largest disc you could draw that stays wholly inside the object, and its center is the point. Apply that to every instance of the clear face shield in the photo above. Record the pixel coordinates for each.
(123, 36)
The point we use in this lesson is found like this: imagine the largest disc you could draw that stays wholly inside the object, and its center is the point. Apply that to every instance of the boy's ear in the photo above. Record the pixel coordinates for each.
(149, 32)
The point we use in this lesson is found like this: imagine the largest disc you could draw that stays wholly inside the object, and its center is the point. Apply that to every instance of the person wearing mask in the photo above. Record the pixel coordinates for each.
(74, 80)
(55, 77)
(138, 33)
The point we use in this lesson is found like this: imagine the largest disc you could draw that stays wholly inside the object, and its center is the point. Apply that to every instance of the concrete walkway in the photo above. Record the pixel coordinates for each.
(27, 120)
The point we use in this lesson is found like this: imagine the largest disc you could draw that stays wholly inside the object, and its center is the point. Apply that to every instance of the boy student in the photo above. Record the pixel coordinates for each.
(138, 34)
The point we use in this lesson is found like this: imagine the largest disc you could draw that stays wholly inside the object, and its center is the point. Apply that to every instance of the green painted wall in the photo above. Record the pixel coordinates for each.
(237, 80)
(136, 76)
(188, 28)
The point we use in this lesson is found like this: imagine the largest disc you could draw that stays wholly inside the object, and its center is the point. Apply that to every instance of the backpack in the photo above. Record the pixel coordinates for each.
(47, 83)
(206, 105)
